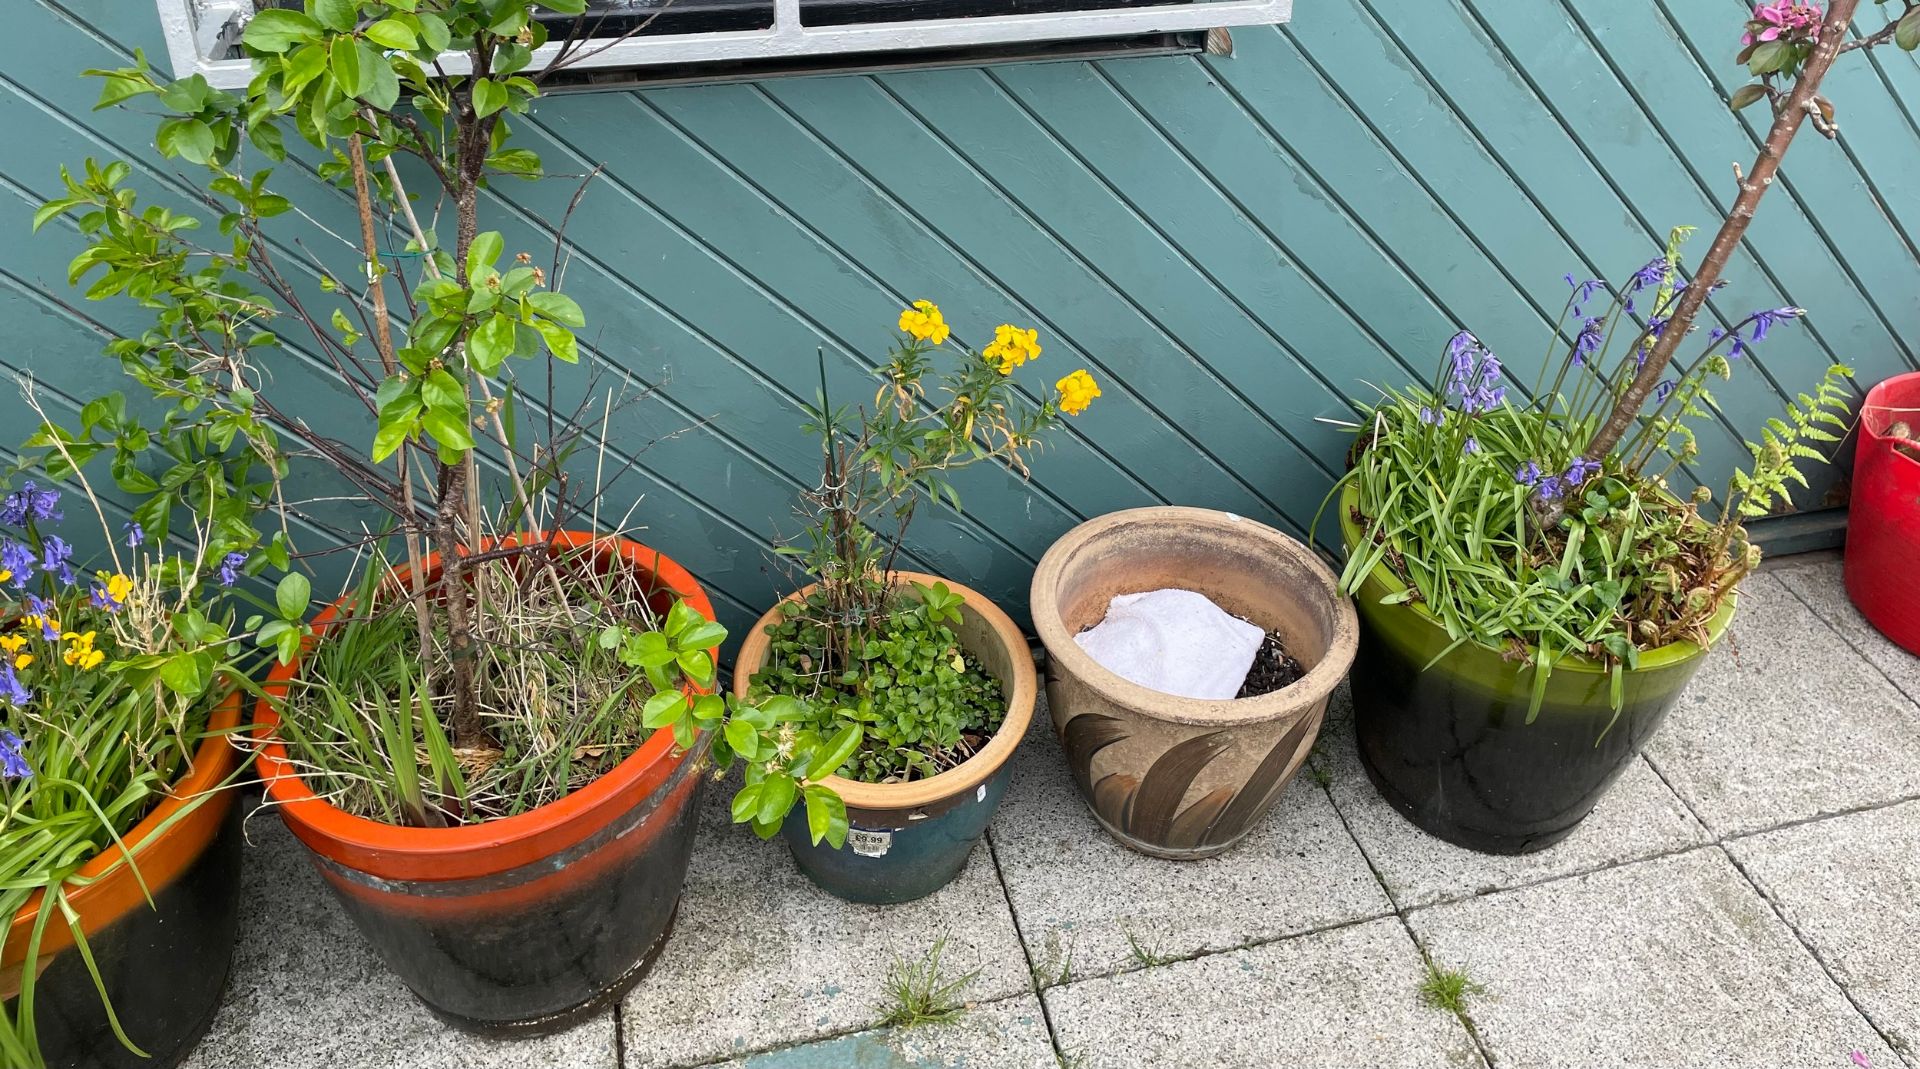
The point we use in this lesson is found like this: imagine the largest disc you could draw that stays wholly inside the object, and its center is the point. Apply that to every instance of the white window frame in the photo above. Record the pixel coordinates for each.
(199, 31)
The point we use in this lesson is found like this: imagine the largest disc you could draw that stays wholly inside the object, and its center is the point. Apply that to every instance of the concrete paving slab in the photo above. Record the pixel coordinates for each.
(1850, 886)
(1672, 962)
(1341, 998)
(761, 958)
(1786, 721)
(1084, 902)
(1640, 817)
(1821, 585)
(308, 993)
(1009, 1034)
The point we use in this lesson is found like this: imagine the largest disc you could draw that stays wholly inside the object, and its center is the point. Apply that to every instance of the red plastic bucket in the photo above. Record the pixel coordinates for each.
(1883, 523)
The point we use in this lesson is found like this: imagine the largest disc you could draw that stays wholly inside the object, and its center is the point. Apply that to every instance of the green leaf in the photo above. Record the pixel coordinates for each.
(448, 428)
(187, 674)
(743, 738)
(516, 161)
(1906, 33)
(680, 619)
(663, 709)
(441, 390)
(558, 307)
(560, 341)
(117, 87)
(778, 792)
(746, 802)
(698, 665)
(1746, 95)
(347, 60)
(489, 96)
(565, 7)
(292, 595)
(702, 636)
(649, 649)
(339, 15)
(491, 344)
(392, 33)
(189, 139)
(835, 753)
(274, 30)
(826, 816)
(383, 88)
(433, 32)
(483, 253)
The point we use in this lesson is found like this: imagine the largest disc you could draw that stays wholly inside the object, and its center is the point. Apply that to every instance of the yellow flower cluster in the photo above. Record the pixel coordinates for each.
(1077, 391)
(1012, 347)
(923, 322)
(114, 590)
(12, 644)
(80, 652)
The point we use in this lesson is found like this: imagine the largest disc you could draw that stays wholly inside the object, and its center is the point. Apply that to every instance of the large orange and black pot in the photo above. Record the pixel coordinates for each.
(908, 840)
(526, 924)
(164, 965)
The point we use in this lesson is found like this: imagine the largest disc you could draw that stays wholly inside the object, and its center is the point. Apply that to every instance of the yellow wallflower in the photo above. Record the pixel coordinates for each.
(115, 589)
(1012, 347)
(923, 322)
(80, 652)
(1077, 391)
(12, 644)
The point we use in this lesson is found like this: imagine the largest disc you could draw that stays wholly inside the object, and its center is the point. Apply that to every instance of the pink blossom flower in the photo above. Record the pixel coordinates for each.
(1860, 1060)
(1782, 18)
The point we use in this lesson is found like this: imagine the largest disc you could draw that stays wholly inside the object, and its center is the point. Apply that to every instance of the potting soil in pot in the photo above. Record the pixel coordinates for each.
(1176, 642)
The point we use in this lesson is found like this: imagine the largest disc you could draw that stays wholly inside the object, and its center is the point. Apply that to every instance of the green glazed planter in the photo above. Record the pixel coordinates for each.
(1450, 747)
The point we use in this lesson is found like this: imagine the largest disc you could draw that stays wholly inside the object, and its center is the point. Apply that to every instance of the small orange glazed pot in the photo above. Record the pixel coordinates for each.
(526, 924)
(164, 966)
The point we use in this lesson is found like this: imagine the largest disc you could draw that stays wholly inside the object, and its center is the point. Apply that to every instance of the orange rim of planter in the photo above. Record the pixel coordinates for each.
(968, 775)
(394, 852)
(160, 852)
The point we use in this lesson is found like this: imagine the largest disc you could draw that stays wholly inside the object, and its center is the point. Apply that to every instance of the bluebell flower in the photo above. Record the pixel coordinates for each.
(30, 503)
(1716, 334)
(1527, 474)
(1431, 418)
(1765, 320)
(13, 757)
(1470, 446)
(1651, 275)
(1738, 348)
(135, 534)
(39, 606)
(1549, 488)
(55, 559)
(17, 560)
(1583, 292)
(230, 568)
(1580, 470)
(1587, 342)
(1662, 390)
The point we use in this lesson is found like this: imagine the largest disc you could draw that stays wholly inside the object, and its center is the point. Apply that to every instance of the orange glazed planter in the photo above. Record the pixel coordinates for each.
(526, 924)
(164, 966)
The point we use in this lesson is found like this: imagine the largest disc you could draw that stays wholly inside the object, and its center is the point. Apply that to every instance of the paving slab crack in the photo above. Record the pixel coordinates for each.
(1020, 934)
(1399, 912)
(1893, 1043)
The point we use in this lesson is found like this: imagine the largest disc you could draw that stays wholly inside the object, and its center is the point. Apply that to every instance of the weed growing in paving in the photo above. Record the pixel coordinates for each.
(919, 993)
(1448, 989)
(1143, 953)
(1057, 967)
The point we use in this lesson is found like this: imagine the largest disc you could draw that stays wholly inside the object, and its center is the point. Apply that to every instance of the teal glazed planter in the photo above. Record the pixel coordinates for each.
(908, 840)
(1449, 745)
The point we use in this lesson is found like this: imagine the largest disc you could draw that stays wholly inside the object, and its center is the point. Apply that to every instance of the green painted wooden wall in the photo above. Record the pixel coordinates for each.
(1232, 246)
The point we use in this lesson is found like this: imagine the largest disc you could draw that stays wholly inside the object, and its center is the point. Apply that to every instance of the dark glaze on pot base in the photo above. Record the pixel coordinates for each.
(165, 969)
(894, 856)
(532, 951)
(1460, 761)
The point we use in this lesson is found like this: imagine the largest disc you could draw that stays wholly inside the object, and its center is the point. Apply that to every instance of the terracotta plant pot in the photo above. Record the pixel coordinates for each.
(164, 965)
(1184, 777)
(1447, 743)
(908, 840)
(526, 924)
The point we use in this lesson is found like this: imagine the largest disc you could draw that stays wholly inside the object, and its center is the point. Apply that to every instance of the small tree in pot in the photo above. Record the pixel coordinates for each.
(1533, 598)
(504, 671)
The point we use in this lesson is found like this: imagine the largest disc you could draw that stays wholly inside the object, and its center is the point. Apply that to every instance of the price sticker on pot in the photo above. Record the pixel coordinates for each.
(869, 843)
